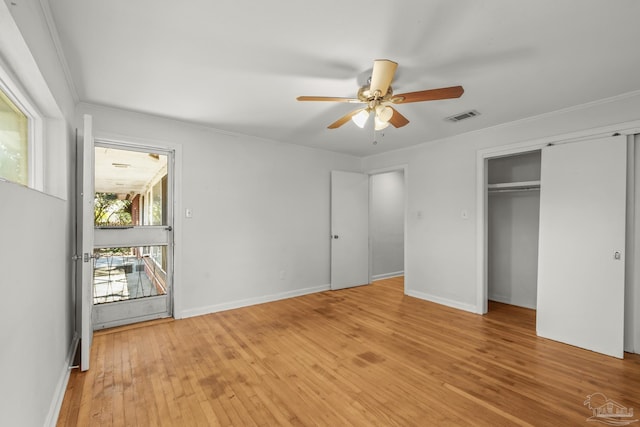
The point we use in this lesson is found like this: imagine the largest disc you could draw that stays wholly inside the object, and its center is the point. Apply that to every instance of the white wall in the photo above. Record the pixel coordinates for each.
(441, 246)
(34, 324)
(387, 224)
(260, 227)
(36, 321)
(513, 220)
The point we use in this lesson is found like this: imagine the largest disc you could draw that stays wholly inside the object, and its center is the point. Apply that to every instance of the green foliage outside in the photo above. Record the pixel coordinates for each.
(109, 210)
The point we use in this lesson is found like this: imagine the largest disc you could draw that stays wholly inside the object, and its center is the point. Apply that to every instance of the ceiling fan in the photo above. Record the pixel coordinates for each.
(379, 98)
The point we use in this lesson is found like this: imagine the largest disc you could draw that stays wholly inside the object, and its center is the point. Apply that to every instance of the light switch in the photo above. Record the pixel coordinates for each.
(464, 214)
(188, 213)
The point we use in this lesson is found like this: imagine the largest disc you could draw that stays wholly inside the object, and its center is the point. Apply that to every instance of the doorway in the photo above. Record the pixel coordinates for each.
(133, 225)
(368, 226)
(387, 224)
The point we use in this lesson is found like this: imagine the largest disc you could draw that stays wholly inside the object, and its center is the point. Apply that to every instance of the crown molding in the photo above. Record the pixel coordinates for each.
(53, 32)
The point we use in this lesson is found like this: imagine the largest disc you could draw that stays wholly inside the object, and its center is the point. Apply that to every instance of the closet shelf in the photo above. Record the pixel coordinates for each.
(513, 186)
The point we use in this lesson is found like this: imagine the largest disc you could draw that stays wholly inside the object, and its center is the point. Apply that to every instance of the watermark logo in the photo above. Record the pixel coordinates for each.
(607, 411)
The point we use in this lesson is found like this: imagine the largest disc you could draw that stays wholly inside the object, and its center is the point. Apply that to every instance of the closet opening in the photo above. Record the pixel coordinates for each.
(512, 221)
(587, 222)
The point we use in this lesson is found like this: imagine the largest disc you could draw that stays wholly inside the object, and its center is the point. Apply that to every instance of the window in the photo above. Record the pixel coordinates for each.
(30, 116)
(14, 141)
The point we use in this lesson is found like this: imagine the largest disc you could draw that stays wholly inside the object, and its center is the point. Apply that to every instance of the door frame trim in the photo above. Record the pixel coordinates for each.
(118, 140)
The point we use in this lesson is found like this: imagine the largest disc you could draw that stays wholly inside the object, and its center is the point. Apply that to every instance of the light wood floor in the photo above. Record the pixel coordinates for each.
(363, 356)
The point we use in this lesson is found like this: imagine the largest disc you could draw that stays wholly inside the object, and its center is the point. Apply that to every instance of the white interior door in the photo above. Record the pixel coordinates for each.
(349, 229)
(85, 240)
(582, 239)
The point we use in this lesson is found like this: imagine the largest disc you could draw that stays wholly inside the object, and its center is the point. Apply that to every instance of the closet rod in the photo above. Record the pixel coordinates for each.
(511, 190)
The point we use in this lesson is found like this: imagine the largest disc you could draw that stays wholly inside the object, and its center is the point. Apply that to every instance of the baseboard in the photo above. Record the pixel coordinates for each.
(386, 275)
(507, 300)
(442, 301)
(251, 301)
(61, 386)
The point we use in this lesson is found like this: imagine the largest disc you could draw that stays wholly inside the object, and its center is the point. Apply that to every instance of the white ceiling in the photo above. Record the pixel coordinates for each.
(238, 65)
(122, 172)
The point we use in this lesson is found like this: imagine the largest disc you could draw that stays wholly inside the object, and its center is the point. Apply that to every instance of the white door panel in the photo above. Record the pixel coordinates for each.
(349, 229)
(85, 238)
(110, 315)
(582, 227)
(105, 237)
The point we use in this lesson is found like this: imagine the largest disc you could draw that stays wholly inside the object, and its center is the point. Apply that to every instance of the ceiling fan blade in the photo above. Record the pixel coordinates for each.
(344, 119)
(397, 119)
(381, 76)
(428, 95)
(329, 98)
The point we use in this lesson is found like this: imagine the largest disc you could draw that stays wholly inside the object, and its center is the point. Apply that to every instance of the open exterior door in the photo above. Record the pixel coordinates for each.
(582, 239)
(84, 224)
(349, 229)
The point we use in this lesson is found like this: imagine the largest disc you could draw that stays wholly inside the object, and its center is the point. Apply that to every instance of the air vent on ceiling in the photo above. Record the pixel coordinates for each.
(463, 116)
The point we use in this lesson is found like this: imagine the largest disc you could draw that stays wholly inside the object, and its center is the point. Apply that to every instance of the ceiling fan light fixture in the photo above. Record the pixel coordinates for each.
(380, 124)
(384, 113)
(360, 119)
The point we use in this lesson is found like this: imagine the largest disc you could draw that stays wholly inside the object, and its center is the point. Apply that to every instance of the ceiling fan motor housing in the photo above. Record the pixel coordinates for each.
(365, 95)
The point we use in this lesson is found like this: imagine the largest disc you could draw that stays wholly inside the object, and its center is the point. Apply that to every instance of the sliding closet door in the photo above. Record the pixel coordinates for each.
(582, 239)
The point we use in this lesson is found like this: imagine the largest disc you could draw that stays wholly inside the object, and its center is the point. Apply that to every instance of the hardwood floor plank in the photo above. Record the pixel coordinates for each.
(362, 356)
(128, 395)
